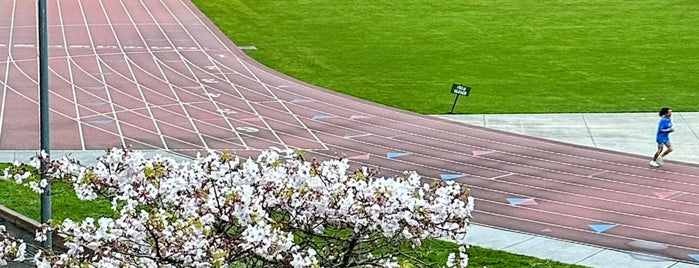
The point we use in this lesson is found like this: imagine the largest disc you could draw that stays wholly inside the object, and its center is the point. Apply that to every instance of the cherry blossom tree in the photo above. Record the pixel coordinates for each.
(221, 210)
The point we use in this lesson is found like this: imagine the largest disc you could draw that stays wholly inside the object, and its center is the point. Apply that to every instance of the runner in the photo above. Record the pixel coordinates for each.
(663, 137)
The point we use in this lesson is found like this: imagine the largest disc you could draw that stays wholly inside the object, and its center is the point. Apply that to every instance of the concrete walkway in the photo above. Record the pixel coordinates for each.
(626, 132)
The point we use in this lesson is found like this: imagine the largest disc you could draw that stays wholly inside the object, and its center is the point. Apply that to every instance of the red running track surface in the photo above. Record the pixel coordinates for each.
(159, 75)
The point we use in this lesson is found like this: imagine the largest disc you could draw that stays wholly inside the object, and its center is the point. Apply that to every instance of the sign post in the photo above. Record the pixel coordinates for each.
(459, 90)
(44, 116)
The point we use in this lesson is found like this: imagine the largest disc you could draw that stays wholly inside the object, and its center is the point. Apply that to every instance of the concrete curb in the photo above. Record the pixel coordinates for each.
(22, 222)
(27, 224)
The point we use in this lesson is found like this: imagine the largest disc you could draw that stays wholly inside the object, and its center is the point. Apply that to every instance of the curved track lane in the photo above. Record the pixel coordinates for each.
(156, 74)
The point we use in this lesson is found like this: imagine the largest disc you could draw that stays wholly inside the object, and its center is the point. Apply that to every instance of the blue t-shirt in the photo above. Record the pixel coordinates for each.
(664, 126)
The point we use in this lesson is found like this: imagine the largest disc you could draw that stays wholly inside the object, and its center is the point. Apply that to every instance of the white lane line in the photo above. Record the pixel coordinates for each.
(106, 114)
(389, 119)
(214, 67)
(509, 163)
(87, 106)
(597, 173)
(283, 104)
(575, 206)
(35, 102)
(546, 179)
(221, 91)
(430, 128)
(456, 134)
(70, 75)
(102, 78)
(221, 111)
(4, 94)
(32, 100)
(236, 87)
(501, 176)
(107, 47)
(176, 71)
(160, 48)
(7, 68)
(210, 81)
(461, 134)
(162, 73)
(348, 148)
(255, 78)
(153, 91)
(474, 166)
(637, 229)
(81, 46)
(134, 79)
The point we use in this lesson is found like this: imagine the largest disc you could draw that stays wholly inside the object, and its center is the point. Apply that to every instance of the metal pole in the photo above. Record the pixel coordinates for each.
(454, 105)
(44, 116)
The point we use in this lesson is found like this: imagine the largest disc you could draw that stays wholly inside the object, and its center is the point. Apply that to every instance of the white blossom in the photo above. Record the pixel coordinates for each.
(219, 209)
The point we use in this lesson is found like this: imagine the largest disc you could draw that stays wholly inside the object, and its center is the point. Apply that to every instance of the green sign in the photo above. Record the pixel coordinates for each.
(460, 89)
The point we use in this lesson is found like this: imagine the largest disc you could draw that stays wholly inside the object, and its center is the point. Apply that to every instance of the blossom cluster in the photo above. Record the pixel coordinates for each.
(11, 249)
(221, 210)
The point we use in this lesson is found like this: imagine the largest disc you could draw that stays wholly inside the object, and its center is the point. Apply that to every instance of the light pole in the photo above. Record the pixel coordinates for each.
(44, 116)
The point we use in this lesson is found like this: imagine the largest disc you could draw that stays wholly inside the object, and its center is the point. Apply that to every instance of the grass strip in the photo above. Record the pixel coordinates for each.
(64, 203)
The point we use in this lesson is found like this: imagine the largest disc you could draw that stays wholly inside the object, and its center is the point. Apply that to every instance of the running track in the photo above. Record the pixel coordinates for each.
(155, 74)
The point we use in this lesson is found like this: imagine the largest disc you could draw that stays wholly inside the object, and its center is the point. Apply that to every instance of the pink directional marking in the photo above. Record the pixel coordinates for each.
(360, 157)
(528, 202)
(666, 194)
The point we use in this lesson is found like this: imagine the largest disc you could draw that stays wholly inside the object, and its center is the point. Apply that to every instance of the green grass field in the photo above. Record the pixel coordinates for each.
(518, 56)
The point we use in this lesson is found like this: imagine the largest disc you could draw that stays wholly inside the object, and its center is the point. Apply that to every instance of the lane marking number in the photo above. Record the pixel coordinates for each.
(226, 111)
(247, 129)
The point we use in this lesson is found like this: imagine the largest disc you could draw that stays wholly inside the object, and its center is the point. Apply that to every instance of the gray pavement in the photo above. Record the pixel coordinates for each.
(626, 132)
(87, 157)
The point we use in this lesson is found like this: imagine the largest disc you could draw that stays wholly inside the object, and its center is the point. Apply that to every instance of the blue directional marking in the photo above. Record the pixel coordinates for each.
(516, 200)
(450, 176)
(300, 100)
(320, 116)
(101, 121)
(694, 256)
(396, 154)
(602, 227)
